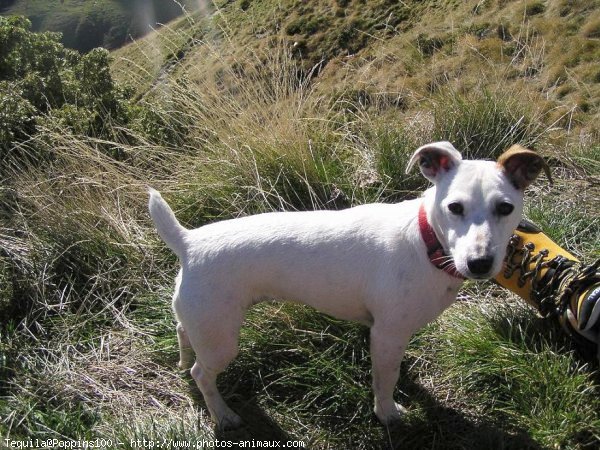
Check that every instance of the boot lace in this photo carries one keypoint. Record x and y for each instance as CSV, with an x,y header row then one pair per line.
x,y
564,277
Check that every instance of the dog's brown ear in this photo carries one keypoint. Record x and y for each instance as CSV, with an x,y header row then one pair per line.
x,y
522,166
434,159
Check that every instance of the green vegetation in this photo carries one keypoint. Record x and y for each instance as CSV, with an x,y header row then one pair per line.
x,y
102,23
227,118
42,84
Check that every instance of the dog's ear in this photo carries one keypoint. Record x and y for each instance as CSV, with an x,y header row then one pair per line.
x,y
434,159
522,166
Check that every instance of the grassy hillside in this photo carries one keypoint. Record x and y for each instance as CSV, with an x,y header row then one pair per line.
x,y
270,106
102,23
400,54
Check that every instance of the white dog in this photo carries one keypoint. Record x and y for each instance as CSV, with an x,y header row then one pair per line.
x,y
392,267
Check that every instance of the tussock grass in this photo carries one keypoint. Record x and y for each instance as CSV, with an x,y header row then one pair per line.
x,y
484,124
87,343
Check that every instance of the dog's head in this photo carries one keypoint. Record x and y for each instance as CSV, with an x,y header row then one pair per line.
x,y
477,204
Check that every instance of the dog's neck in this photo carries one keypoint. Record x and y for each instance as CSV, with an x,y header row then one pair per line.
x,y
435,250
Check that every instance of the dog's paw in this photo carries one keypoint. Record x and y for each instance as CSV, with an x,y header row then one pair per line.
x,y
185,364
389,412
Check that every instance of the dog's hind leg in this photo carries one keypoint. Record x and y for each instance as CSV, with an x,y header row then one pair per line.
x,y
186,353
206,379
216,345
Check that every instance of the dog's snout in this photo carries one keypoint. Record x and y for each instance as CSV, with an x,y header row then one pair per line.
x,y
480,266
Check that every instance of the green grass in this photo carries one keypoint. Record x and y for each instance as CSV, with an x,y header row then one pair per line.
x,y
576,230
87,340
520,370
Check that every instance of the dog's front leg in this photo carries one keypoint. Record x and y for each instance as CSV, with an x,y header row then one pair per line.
x,y
387,350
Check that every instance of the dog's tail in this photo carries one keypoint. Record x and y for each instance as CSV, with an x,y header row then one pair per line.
x,y
167,225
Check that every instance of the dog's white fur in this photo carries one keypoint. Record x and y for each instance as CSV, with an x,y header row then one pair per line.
x,y
368,264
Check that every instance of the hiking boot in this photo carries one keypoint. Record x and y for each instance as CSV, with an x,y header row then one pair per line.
x,y
554,282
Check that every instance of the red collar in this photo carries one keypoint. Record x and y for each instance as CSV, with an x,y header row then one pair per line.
x,y
435,251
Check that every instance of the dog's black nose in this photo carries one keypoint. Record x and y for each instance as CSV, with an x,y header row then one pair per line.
x,y
480,266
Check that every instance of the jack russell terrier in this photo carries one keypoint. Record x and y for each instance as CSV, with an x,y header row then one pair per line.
x,y
392,267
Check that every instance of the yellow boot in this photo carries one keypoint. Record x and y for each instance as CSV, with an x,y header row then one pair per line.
x,y
554,281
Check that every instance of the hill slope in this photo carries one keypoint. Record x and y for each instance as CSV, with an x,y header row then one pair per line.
x,y
404,52
102,23
270,105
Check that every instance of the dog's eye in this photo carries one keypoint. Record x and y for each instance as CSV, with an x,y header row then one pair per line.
x,y
456,208
504,209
